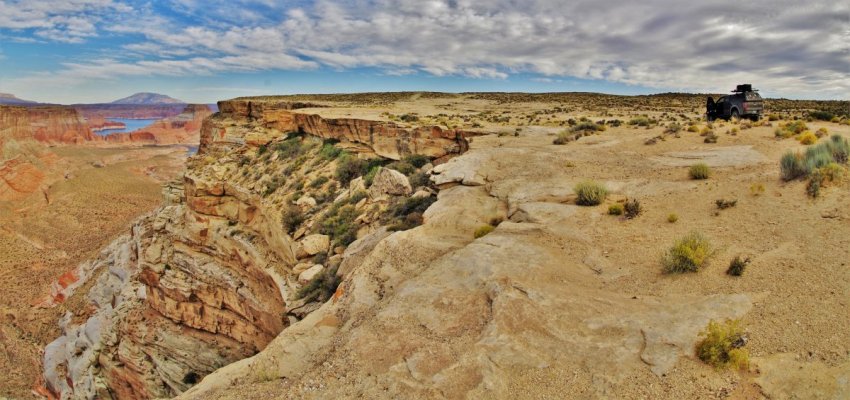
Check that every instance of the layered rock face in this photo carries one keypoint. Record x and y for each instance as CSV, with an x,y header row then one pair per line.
x,y
175,299
267,120
182,128
24,161
221,270
48,124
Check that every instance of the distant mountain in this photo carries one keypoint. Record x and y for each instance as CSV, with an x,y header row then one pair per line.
x,y
6,98
148,98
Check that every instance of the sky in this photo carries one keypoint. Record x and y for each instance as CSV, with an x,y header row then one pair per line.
x,y
88,51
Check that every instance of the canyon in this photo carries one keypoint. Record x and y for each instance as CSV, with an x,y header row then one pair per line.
x,y
328,246
65,193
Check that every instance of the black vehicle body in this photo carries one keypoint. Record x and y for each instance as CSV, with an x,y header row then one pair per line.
x,y
744,102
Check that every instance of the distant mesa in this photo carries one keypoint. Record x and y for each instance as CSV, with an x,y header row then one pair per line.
x,y
148,98
10,99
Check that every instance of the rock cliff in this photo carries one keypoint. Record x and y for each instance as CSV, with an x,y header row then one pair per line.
x,y
258,122
182,128
24,162
48,124
250,242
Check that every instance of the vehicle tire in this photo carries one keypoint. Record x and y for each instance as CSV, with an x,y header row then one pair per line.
x,y
734,114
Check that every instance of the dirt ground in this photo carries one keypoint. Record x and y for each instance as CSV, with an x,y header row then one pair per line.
x,y
49,233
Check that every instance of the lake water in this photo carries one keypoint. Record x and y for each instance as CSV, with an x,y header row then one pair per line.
x,y
131,125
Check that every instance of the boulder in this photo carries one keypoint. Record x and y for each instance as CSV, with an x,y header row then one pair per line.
x,y
389,182
301,267
306,202
422,193
314,244
310,273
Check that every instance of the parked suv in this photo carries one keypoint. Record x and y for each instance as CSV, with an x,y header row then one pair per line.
x,y
744,102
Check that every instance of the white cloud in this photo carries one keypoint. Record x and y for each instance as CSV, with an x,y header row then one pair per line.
x,y
70,21
783,48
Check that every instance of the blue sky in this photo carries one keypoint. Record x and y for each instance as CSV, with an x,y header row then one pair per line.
x,y
69,51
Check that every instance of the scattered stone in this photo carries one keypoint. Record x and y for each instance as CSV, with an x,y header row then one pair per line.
x,y
389,182
306,202
422,193
314,244
310,273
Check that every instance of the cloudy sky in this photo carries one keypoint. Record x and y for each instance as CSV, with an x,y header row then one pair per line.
x,y
202,50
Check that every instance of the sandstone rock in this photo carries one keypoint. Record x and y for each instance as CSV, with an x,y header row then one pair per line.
x,y
301,267
310,273
389,182
357,185
233,126
422,193
306,202
314,244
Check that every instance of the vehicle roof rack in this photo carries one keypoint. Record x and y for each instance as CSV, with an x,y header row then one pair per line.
x,y
744,88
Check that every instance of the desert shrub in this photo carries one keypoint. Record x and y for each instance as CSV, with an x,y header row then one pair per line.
x,y
587,126
291,218
290,148
792,166
419,179
411,205
417,160
262,149
710,138
357,196
672,218
407,213
772,117
688,254
839,147
565,137
790,129
339,224
699,171
807,138
757,189
319,181
409,117
821,115
370,176
321,287
707,130
817,157
349,167
590,193
404,167
673,128
483,230
329,151
641,121
833,172
723,344
821,132
814,184
746,124
632,208
737,266
616,209
693,128
724,204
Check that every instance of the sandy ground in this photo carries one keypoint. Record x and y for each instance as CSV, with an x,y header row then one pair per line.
x,y
50,233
